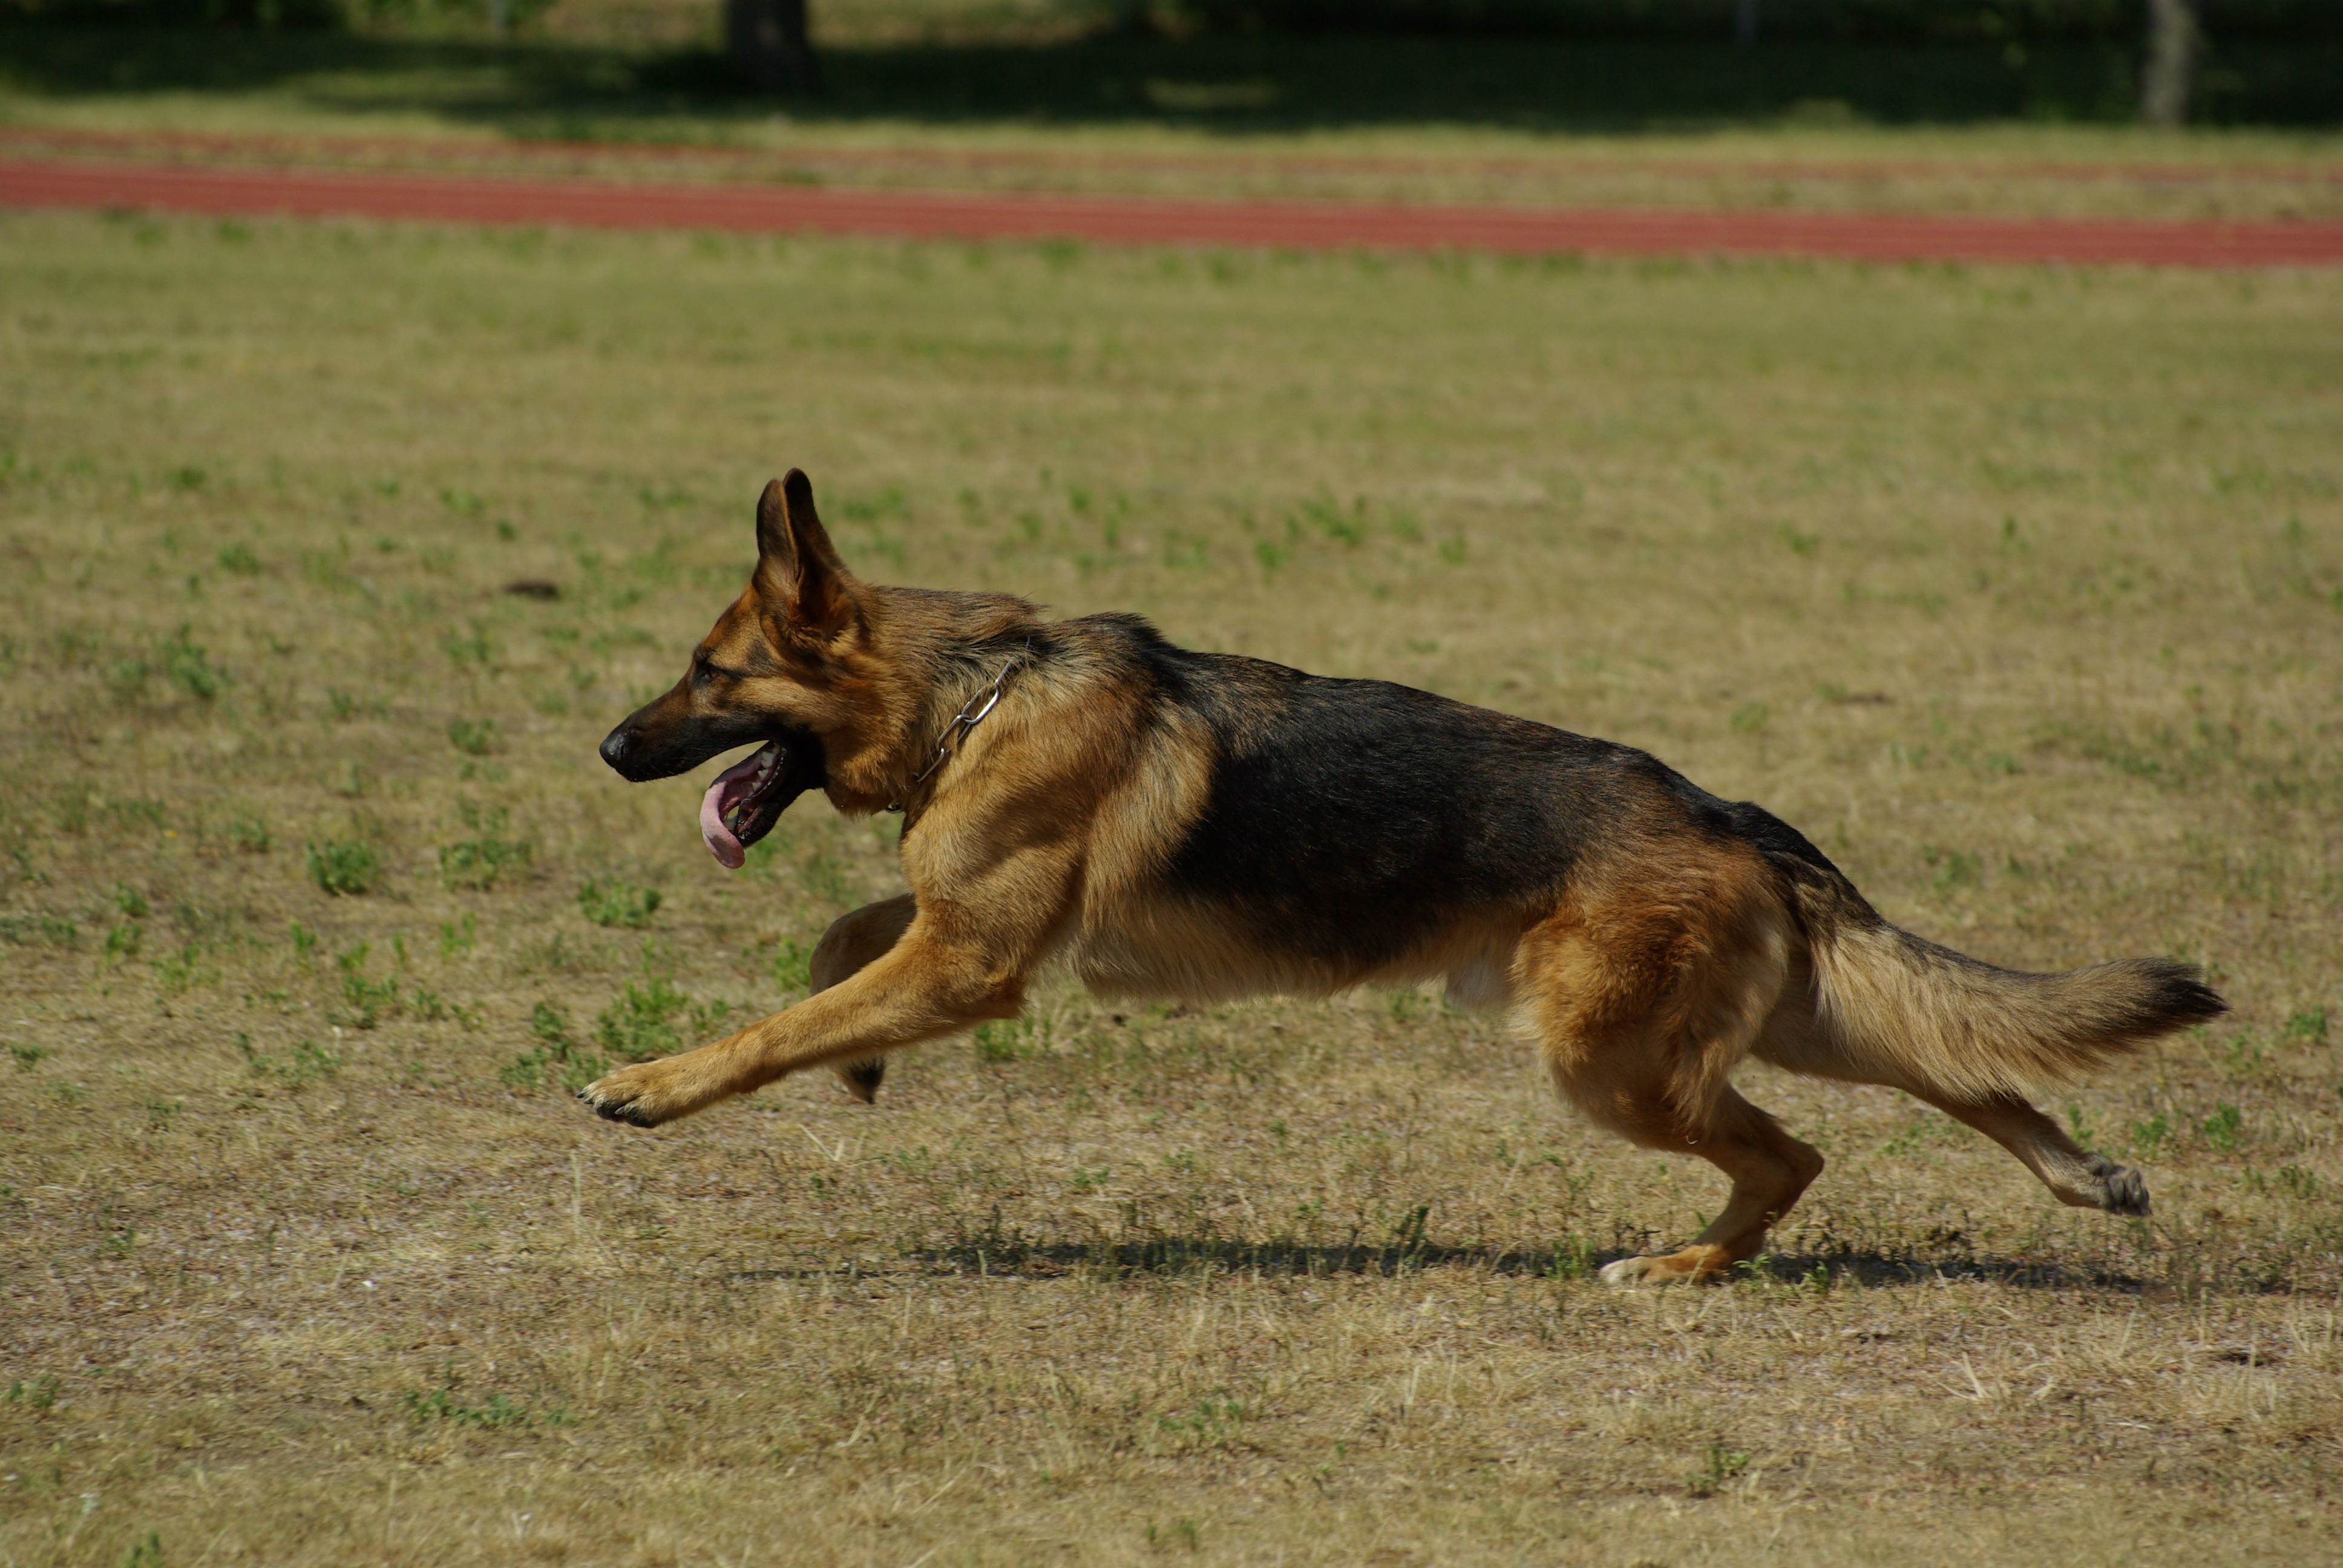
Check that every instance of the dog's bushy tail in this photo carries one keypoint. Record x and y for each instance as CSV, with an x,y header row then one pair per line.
x,y
1913,1012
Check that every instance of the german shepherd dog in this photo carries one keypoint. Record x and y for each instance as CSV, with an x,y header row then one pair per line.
x,y
1202,827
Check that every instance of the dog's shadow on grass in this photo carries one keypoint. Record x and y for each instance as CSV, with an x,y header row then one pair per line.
x,y
1177,1256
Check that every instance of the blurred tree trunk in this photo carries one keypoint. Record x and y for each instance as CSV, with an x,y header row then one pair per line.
x,y
1745,23
2173,37
768,44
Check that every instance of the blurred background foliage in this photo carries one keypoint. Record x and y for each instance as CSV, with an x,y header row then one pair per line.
x,y
1875,20
1232,66
1243,65
1902,21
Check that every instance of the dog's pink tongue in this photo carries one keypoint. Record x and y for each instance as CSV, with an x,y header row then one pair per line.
x,y
721,841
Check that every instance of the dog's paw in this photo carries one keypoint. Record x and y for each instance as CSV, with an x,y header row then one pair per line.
x,y
643,1095
2123,1191
863,1078
1691,1265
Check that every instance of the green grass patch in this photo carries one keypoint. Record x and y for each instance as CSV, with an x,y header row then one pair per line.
x,y
617,904
346,868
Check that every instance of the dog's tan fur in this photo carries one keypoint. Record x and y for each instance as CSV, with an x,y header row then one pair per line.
x,y
1670,954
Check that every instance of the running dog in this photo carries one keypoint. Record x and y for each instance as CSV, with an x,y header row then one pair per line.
x,y
1203,827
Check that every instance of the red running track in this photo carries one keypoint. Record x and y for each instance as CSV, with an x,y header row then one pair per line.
x,y
1137,220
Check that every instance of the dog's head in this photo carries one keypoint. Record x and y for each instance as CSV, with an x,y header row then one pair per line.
x,y
775,670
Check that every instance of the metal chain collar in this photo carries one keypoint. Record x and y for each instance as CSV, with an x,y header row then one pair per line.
x,y
971,715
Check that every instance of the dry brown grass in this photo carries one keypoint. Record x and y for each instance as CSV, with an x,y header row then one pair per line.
x,y
2019,590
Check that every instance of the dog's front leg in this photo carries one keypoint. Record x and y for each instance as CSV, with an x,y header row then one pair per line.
x,y
927,985
851,944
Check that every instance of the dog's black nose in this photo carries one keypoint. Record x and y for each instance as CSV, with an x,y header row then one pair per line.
x,y
614,747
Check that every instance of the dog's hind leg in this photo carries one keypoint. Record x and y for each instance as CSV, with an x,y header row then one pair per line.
x,y
852,941
2075,1176
1769,1170
1644,1007
1795,1039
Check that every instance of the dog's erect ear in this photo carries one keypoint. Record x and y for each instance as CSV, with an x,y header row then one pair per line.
x,y
798,570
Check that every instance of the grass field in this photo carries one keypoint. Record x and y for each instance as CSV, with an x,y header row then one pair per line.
x,y
2021,592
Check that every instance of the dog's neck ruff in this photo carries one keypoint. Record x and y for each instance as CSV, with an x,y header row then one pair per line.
x,y
971,715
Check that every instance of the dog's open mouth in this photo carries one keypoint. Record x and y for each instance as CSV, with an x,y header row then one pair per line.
x,y
749,797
